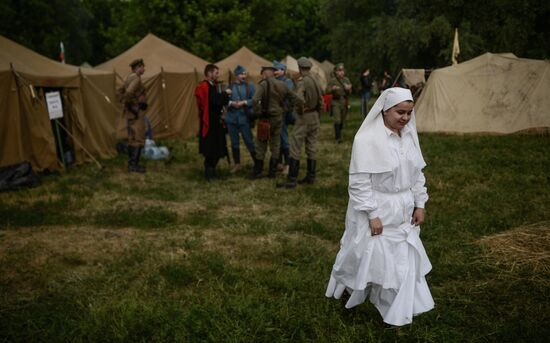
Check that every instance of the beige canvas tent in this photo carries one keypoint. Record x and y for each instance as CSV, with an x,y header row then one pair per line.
x,y
291,66
328,67
171,75
245,57
319,73
26,133
414,79
497,93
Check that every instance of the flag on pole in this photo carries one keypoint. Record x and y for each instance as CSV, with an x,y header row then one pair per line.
x,y
62,53
456,48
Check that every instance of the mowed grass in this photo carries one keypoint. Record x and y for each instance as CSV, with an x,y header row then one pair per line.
x,y
167,257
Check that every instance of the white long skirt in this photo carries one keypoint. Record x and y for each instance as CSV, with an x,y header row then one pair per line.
x,y
390,268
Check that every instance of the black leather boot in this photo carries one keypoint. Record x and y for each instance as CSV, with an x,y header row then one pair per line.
x,y
272,167
134,154
258,168
310,176
285,154
337,133
293,170
209,173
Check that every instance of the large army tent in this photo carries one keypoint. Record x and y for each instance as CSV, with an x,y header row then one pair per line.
x,y
26,132
319,73
328,67
171,75
497,93
291,66
245,57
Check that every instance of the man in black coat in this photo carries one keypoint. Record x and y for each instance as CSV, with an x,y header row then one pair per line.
x,y
210,101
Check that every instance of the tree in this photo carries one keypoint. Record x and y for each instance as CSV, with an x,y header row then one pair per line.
x,y
393,34
42,25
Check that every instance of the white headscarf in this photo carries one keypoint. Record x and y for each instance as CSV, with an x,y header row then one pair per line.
x,y
371,152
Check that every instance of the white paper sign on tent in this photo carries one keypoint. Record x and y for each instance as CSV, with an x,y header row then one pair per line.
x,y
55,106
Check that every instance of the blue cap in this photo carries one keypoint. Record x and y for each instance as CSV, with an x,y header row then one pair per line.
x,y
239,69
279,65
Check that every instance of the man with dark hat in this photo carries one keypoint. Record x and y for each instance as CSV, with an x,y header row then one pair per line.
x,y
306,128
268,105
239,115
288,117
210,101
340,88
133,98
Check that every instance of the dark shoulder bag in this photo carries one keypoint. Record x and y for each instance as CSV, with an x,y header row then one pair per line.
x,y
264,126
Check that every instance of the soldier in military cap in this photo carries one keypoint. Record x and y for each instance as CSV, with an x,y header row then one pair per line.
x,y
288,118
135,104
239,113
268,103
306,127
340,88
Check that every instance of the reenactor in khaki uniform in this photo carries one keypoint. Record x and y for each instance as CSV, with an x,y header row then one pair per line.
x,y
340,88
306,127
269,106
133,98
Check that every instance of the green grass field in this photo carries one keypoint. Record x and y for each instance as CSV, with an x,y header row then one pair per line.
x,y
107,256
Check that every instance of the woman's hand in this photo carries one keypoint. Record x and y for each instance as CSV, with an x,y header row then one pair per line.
x,y
375,226
418,216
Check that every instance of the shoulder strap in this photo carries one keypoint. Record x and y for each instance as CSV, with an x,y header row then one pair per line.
x,y
266,98
319,96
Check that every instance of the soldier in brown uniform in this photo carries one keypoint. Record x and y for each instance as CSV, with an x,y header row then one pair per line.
x,y
306,127
268,103
135,104
340,88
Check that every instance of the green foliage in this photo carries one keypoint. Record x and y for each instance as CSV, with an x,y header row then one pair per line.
x,y
382,34
389,35
41,25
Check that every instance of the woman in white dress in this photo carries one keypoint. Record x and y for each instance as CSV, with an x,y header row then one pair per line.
x,y
381,256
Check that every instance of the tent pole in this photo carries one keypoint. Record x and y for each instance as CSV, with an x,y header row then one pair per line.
x,y
80,144
60,145
396,80
164,103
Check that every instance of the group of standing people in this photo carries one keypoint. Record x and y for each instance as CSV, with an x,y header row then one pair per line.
x,y
271,106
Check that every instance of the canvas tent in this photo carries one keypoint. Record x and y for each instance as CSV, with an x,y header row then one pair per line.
x,y
319,73
171,75
496,93
26,133
248,59
291,66
414,79
328,67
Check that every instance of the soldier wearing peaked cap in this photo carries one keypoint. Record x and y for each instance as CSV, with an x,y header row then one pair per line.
x,y
239,115
288,117
340,88
306,128
268,103
133,98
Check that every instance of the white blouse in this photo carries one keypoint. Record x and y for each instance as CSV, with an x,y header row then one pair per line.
x,y
405,176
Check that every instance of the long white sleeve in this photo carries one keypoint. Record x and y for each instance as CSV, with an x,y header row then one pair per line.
x,y
361,195
419,191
